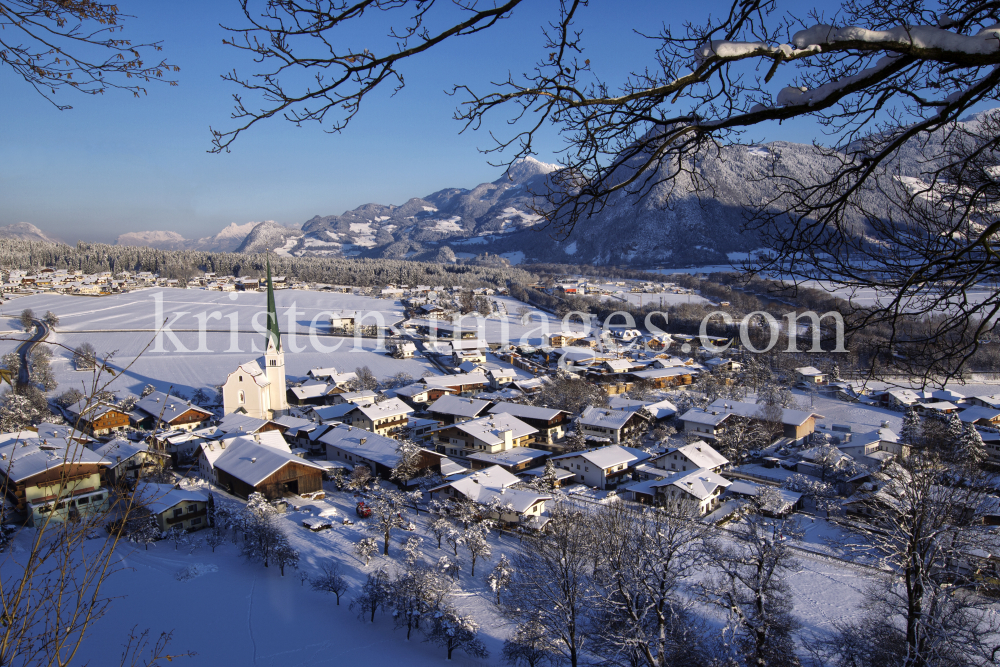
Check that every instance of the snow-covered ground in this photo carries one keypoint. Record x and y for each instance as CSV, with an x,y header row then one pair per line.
x,y
231,612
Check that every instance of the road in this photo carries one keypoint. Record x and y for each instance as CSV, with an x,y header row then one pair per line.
x,y
25,348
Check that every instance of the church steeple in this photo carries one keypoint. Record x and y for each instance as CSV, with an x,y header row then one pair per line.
x,y
273,333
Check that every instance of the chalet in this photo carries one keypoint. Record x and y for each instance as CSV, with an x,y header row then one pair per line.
x,y
354,446
384,418
898,399
125,461
603,468
356,397
980,416
515,459
419,393
491,487
500,377
810,376
724,365
331,376
402,349
186,509
451,409
49,479
674,376
491,434
166,411
246,467
549,422
564,338
986,401
697,490
613,426
342,323
465,384
936,408
96,419
660,410
468,350
693,456
314,392
797,424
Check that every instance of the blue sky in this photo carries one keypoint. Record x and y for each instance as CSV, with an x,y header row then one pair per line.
x,y
115,164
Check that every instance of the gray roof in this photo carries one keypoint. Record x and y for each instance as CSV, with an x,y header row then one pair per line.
x,y
527,411
236,422
364,444
512,457
490,429
158,498
788,416
171,407
119,450
605,457
26,457
613,419
458,406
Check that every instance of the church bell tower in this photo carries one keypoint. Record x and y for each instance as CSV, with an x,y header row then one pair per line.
x,y
274,356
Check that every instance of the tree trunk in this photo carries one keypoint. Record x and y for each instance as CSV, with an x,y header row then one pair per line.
x,y
385,551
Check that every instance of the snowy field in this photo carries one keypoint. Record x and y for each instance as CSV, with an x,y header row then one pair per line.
x,y
231,612
124,326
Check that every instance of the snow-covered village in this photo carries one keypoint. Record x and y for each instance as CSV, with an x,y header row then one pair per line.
x,y
499,333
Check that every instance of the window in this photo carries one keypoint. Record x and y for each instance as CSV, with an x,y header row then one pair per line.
x,y
195,521
241,378
83,501
241,397
192,508
178,511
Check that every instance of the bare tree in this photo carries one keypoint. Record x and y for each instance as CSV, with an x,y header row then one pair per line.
x,y
386,516
27,319
374,595
454,631
528,646
927,535
750,585
330,580
551,584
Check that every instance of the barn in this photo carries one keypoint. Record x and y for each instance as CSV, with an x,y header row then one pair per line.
x,y
246,467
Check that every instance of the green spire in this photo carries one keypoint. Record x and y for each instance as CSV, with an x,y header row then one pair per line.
x,y
273,334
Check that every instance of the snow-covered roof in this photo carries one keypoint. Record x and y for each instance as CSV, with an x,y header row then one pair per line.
x,y
672,371
607,457
809,371
602,417
458,406
159,498
88,410
364,444
514,456
701,454
310,390
993,400
700,483
327,413
332,375
26,457
975,413
391,407
449,467
365,395
171,407
293,423
274,439
659,409
455,380
253,369
488,484
788,416
490,429
119,450
236,422
527,411
252,463
788,498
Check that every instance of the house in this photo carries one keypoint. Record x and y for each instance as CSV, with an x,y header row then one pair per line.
x,y
419,393
125,461
402,349
314,392
564,338
549,422
385,418
51,479
936,407
515,459
466,384
617,365
992,401
246,467
491,434
723,365
342,322
331,376
186,509
980,416
357,397
468,350
693,456
660,410
603,468
810,376
662,378
97,418
500,377
450,409
697,490
784,501
710,422
165,411
491,487
898,399
613,426
354,446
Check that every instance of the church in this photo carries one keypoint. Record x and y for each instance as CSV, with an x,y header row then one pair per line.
x,y
260,392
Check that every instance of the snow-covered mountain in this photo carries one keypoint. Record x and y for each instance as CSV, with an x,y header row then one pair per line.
x,y
230,239
25,231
